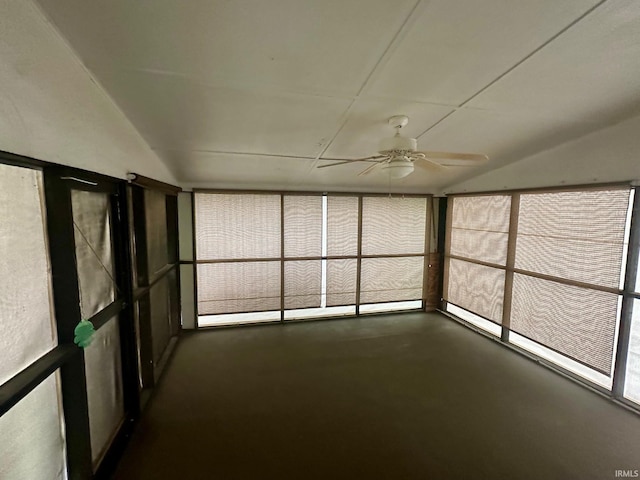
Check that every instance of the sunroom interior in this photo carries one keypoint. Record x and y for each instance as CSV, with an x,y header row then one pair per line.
x,y
204,272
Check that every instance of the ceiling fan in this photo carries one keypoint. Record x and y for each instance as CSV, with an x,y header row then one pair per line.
x,y
399,154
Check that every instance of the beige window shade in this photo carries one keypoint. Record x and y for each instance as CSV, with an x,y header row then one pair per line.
x,y
577,322
155,205
302,226
32,436
238,287
391,279
480,227
393,225
237,226
342,225
477,288
94,256
160,320
341,282
27,329
573,235
104,387
302,284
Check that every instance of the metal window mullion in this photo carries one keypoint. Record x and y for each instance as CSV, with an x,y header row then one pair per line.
x,y
282,258
447,251
511,260
626,314
426,264
66,299
194,257
359,258
22,383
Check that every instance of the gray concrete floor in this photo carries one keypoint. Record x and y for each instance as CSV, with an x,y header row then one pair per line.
x,y
405,396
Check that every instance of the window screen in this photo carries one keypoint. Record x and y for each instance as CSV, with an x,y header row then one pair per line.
x,y
342,226
238,287
237,226
160,319
393,225
302,226
155,206
632,377
391,279
573,235
478,230
26,319
31,437
240,268
240,228
576,236
104,387
94,256
565,276
302,284
476,288
341,282
577,322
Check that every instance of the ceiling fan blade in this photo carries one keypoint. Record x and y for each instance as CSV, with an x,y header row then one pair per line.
x,y
334,164
428,164
368,170
474,157
342,161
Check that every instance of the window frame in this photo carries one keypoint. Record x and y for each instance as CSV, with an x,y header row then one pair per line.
x,y
426,281
66,357
627,293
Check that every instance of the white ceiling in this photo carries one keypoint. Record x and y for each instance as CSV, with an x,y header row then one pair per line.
x,y
255,94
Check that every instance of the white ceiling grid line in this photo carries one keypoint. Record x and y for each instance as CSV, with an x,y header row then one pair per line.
x,y
385,54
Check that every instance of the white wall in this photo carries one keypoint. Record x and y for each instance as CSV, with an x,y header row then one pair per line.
x,y
608,155
52,109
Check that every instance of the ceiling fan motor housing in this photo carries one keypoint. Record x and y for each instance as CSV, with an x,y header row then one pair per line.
x,y
397,143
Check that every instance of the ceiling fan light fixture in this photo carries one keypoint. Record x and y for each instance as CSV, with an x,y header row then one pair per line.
x,y
399,168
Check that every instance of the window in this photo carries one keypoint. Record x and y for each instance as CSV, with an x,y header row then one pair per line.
x,y
632,377
307,255
393,250
569,251
545,266
103,369
27,329
65,408
94,258
31,431
477,256
31,436
631,387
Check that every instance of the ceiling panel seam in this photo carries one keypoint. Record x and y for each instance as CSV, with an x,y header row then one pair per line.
x,y
224,152
342,124
519,62
395,39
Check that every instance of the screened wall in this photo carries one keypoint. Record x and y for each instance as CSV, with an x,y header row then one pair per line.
x,y
545,271
67,407
153,229
298,255
34,425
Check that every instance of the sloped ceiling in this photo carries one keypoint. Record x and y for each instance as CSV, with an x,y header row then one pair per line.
x,y
51,109
257,94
